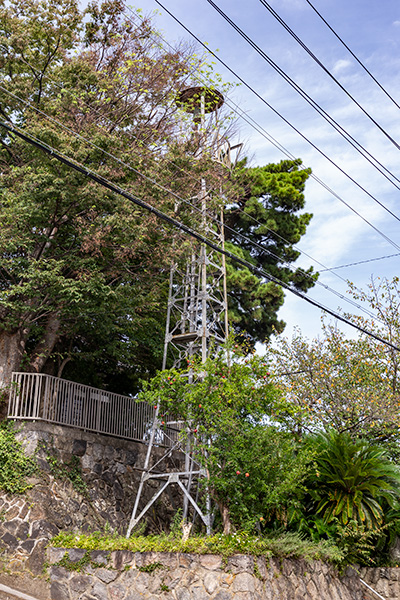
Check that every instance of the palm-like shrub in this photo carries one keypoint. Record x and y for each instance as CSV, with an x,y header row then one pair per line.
x,y
353,481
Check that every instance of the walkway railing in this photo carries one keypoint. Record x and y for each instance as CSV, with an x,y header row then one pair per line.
x,y
40,397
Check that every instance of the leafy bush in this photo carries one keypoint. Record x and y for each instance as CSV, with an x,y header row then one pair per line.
x,y
15,465
353,480
353,497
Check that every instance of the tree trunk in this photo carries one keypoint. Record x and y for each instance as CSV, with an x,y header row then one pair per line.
x,y
46,345
12,348
226,522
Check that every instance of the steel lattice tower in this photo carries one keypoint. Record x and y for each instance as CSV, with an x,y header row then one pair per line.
x,y
196,319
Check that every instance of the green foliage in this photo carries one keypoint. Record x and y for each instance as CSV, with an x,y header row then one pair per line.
x,y
352,497
339,383
70,470
266,212
254,470
83,272
77,565
283,545
354,480
15,465
151,567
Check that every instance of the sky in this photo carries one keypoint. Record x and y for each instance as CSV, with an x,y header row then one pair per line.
x,y
336,236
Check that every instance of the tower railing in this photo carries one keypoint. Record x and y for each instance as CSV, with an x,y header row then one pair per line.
x,y
41,397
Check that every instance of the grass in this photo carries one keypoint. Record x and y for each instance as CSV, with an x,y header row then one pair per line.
x,y
282,546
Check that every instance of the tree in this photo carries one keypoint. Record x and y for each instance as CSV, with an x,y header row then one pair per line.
x,y
83,274
254,470
80,268
334,382
262,225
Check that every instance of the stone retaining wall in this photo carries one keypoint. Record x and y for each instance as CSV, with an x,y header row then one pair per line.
x,y
108,468
123,575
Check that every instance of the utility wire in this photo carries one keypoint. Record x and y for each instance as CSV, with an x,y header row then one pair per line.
x,y
182,227
349,138
360,262
251,242
248,119
324,68
168,191
353,55
262,131
249,87
341,130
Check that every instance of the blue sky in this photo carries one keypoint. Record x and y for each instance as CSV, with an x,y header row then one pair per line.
x,y
371,29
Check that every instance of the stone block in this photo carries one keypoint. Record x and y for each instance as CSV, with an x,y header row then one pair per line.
x,y
120,558
37,559
188,560
100,556
79,447
59,591
28,545
80,583
131,458
241,563
9,541
22,531
99,591
106,575
116,591
43,529
243,582
199,593
211,561
76,554
169,560
211,582
183,594
224,595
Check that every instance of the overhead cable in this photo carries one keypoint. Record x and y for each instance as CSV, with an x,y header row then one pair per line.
x,y
326,70
182,227
353,55
252,243
349,138
262,131
360,262
249,87
167,190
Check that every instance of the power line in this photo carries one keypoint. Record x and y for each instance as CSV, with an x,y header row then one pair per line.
x,y
168,191
360,262
353,55
249,87
349,138
315,58
253,243
248,119
182,227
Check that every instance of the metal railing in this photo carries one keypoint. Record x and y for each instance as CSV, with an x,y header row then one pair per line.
x,y
40,397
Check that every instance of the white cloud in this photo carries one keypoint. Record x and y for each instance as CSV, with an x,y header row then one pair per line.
x,y
341,65
396,23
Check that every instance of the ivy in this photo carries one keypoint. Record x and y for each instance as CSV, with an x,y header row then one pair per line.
x,y
15,465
